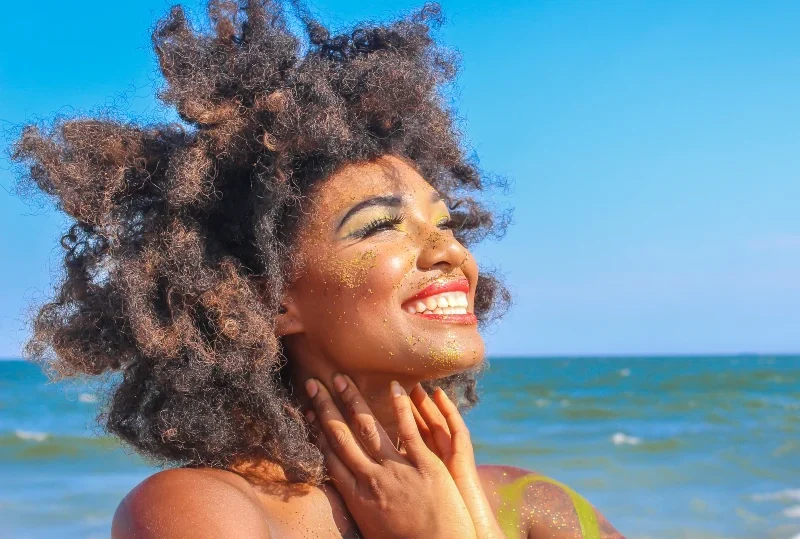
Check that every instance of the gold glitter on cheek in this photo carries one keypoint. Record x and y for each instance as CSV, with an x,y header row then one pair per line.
x,y
353,272
413,340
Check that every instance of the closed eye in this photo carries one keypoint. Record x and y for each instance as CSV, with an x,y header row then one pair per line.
x,y
446,223
378,225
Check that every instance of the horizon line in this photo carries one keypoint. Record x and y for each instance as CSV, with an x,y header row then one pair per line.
x,y
597,356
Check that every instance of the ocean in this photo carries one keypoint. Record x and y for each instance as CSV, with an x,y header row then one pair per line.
x,y
666,448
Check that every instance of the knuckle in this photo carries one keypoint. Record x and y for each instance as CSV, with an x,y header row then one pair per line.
x,y
407,436
377,493
367,430
374,486
340,438
426,468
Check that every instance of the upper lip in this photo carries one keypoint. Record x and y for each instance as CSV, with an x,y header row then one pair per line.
x,y
439,287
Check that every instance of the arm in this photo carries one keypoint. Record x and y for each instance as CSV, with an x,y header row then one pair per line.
x,y
187,503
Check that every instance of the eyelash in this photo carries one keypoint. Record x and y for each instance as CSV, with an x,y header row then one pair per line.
x,y
386,223
446,224
376,225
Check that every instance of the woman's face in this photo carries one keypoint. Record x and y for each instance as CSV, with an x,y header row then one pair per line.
x,y
380,284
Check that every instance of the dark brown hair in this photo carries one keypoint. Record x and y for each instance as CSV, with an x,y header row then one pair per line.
x,y
176,258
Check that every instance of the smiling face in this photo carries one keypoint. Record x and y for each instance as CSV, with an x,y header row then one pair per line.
x,y
380,284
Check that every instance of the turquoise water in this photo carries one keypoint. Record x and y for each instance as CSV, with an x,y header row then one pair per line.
x,y
667,448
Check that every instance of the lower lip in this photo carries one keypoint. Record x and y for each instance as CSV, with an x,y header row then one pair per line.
x,y
465,319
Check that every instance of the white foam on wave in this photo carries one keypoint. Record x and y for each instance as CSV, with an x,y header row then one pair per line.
x,y
31,435
87,397
792,512
620,438
787,495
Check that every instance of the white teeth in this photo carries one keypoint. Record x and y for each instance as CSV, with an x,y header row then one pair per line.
x,y
445,303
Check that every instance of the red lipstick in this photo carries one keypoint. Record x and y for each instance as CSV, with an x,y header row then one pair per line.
x,y
439,287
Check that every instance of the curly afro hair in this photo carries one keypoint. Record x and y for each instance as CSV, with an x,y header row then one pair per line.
x,y
177,255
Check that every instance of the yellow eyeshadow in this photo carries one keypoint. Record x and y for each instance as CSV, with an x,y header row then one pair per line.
x,y
442,218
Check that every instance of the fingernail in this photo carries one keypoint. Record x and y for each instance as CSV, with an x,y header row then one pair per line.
x,y
311,387
310,416
397,389
339,383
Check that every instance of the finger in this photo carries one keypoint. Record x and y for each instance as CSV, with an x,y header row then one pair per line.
x,y
416,451
333,464
424,431
462,466
363,422
459,433
434,419
337,432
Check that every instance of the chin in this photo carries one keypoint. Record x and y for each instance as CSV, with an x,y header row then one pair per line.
x,y
455,356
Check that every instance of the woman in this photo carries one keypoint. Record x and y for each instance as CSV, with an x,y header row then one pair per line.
x,y
297,248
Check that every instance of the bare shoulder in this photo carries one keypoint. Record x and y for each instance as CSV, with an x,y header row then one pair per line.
x,y
191,503
531,505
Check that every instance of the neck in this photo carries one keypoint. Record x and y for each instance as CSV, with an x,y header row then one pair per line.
x,y
374,387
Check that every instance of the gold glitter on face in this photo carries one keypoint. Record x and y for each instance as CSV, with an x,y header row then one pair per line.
x,y
353,272
447,356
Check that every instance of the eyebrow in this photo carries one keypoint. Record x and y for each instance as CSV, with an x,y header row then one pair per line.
x,y
391,201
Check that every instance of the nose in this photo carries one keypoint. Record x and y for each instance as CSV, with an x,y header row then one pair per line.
x,y
440,250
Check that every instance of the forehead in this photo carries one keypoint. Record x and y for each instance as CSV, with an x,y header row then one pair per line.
x,y
353,183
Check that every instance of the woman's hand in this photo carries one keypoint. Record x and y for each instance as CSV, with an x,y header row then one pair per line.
x,y
445,433
389,493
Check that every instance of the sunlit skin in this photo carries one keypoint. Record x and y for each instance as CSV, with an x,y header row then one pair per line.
x,y
374,236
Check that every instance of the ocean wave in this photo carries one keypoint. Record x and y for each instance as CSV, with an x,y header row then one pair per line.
x,y
87,398
620,438
786,495
30,445
31,435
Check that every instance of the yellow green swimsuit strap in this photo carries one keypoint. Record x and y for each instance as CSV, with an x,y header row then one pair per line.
x,y
511,494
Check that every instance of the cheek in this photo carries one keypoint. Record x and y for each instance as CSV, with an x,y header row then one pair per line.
x,y
376,288
364,281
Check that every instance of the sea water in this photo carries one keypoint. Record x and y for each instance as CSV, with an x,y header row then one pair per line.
x,y
666,448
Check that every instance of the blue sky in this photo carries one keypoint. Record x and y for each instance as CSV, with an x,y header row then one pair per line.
x,y
654,149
